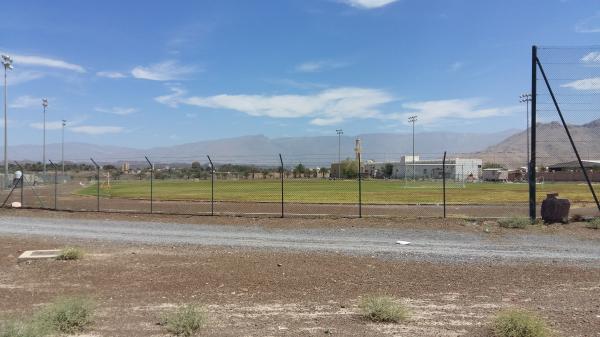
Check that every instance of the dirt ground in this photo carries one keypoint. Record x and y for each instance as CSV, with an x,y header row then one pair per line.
x,y
254,292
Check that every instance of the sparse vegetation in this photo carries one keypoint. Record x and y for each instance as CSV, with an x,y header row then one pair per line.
x,y
22,329
577,218
518,323
594,223
383,309
67,315
185,321
514,222
70,253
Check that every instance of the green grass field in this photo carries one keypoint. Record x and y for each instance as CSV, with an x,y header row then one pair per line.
x,y
327,191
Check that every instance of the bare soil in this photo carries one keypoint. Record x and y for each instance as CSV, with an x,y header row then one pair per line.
x,y
254,292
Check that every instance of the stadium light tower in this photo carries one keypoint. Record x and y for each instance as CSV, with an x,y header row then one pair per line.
x,y
526,98
7,63
413,119
45,105
62,147
340,132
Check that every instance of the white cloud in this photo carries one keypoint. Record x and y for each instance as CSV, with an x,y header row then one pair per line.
x,y
164,71
317,66
110,74
18,77
26,101
173,99
96,130
326,107
435,110
589,25
53,125
368,4
592,57
592,83
31,60
116,110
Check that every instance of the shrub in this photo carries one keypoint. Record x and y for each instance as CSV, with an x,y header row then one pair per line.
x,y
383,309
67,315
70,253
518,323
186,320
594,223
514,222
577,218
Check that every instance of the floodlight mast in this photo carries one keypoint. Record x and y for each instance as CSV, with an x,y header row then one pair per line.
x,y
526,98
45,105
413,119
7,63
339,132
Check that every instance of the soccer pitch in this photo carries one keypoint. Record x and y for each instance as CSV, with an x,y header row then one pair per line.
x,y
336,191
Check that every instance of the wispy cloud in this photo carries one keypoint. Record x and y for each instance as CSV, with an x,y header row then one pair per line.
x,y
18,77
116,110
50,125
164,71
431,111
368,4
32,60
318,66
591,58
326,107
110,74
585,84
96,130
589,25
26,101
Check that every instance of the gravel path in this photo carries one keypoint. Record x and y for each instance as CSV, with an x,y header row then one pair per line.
x,y
427,245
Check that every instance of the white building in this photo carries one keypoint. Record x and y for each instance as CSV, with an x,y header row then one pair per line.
x,y
459,169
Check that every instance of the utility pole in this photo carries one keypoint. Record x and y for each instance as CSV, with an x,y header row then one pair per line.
x,y
413,119
62,147
45,105
340,132
526,98
7,63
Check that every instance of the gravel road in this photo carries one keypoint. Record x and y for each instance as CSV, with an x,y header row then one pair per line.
x,y
427,245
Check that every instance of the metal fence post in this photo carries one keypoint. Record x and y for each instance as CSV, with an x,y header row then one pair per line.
x,y
22,184
97,184
359,187
444,183
532,161
55,183
212,186
281,176
151,181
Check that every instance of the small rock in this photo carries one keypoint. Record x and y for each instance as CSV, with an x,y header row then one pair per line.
x,y
279,265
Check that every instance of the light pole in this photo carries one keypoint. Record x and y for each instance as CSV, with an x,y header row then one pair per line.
x,y
526,98
413,119
45,105
62,147
7,63
340,132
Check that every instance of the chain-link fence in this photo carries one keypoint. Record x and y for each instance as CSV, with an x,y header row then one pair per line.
x,y
567,132
370,185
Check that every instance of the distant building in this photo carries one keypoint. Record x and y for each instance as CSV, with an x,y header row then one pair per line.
x,y
495,174
125,167
459,169
573,166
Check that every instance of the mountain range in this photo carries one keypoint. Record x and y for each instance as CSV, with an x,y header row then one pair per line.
x,y
506,147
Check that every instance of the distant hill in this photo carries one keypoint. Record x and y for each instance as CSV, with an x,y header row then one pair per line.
x,y
552,144
261,150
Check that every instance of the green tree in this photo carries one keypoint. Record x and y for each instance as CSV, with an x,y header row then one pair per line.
x,y
349,168
388,170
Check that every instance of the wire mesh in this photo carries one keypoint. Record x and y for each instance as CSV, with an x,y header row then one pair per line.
x,y
572,76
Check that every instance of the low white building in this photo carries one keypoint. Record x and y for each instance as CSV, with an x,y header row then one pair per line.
x,y
459,169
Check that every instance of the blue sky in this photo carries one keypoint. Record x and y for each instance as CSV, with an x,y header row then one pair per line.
x,y
152,73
